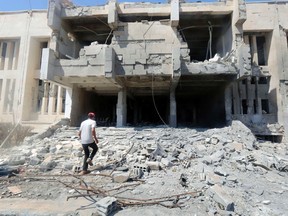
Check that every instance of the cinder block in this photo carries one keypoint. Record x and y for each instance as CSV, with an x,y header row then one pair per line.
x,y
144,167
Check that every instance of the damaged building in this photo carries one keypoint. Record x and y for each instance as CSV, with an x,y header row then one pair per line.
x,y
183,64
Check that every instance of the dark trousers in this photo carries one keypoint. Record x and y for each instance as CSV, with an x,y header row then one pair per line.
x,y
87,153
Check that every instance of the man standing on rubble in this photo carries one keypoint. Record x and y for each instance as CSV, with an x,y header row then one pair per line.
x,y
87,135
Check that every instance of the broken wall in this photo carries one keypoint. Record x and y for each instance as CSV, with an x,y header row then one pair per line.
x,y
145,48
268,20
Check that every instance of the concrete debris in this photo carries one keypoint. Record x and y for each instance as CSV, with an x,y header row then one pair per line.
x,y
15,190
221,197
106,206
222,165
120,177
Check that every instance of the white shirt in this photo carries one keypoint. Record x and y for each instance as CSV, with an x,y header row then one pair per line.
x,y
86,131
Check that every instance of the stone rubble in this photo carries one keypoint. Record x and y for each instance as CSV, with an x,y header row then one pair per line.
x,y
233,172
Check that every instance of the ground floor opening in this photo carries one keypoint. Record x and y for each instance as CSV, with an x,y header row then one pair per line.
x,y
200,102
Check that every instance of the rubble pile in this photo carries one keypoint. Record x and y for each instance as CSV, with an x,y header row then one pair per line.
x,y
220,171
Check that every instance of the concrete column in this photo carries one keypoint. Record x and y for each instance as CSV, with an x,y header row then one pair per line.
x,y
45,98
59,100
258,100
54,42
240,97
68,102
228,104
121,109
52,99
254,50
236,98
174,16
15,57
173,109
249,98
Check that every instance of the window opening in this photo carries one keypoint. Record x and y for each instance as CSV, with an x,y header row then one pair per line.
x,y
9,54
43,45
244,106
3,54
253,80
265,106
260,41
263,80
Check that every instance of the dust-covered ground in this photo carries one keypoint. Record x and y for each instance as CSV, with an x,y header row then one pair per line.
x,y
147,171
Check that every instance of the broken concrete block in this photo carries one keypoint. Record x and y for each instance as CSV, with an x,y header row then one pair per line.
x,y
213,179
217,156
153,165
67,166
106,206
207,140
214,140
144,152
15,160
207,160
201,148
120,177
34,160
221,197
182,156
123,169
232,179
266,202
166,162
238,146
158,151
48,164
220,171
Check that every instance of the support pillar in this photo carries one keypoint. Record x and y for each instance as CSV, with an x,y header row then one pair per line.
x,y
59,100
228,104
52,99
173,109
236,98
45,98
250,107
258,100
68,103
121,109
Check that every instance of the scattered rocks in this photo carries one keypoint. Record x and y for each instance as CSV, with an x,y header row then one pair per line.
x,y
221,164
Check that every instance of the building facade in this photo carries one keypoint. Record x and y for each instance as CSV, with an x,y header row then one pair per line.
x,y
177,63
